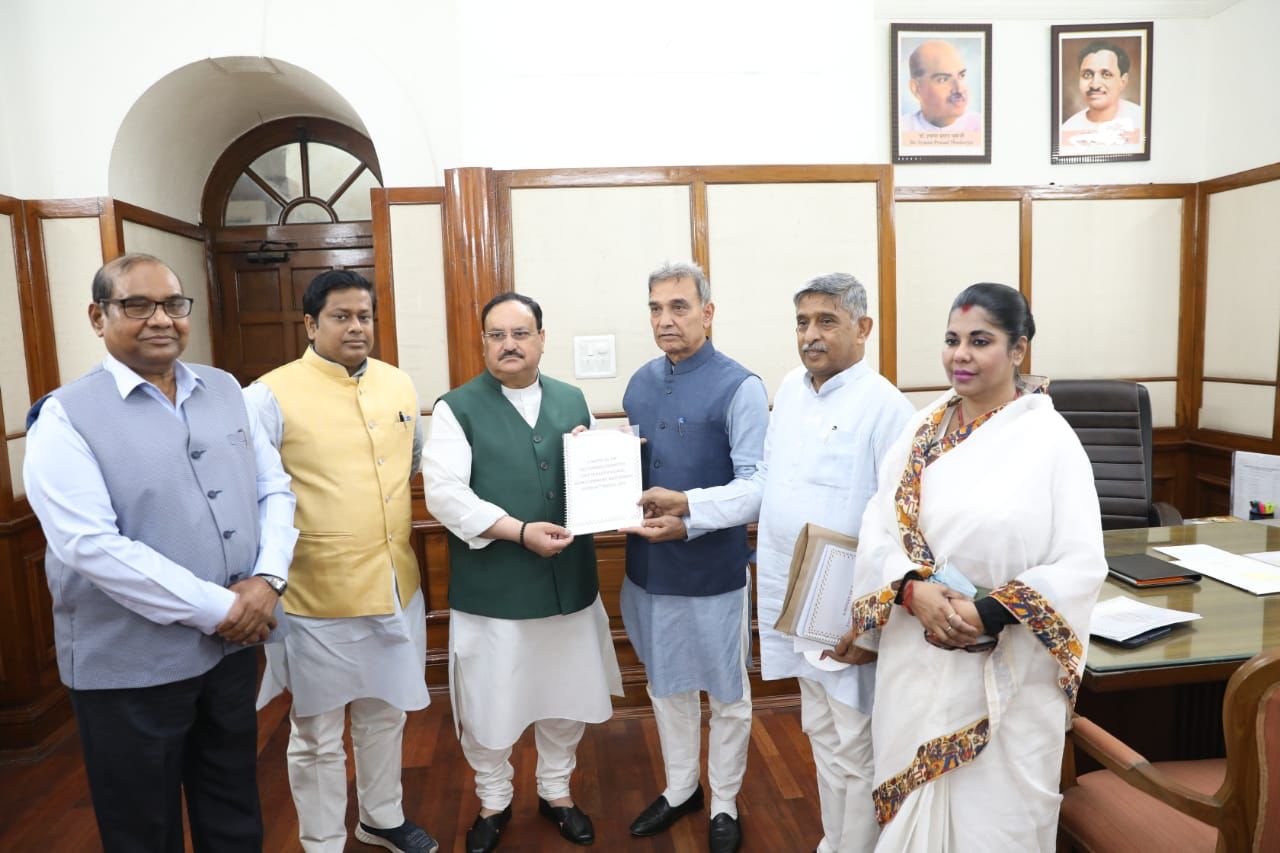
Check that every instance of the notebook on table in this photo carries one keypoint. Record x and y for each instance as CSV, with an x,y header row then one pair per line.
x,y
1143,571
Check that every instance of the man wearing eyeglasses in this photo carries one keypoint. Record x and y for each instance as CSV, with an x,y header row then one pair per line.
x,y
529,640
348,430
169,524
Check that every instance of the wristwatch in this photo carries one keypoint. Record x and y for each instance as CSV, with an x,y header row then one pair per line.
x,y
278,585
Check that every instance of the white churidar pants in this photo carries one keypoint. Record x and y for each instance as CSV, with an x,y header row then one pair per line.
x,y
679,720
318,771
557,743
841,740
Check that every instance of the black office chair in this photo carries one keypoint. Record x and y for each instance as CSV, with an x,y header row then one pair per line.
x,y
1113,421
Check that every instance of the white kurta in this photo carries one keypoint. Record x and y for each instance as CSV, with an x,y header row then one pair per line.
x,y
507,673
821,458
328,663
1014,501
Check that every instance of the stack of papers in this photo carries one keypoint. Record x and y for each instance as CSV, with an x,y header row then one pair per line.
x,y
1253,575
1121,617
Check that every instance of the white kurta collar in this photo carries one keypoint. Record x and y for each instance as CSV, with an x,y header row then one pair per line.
x,y
845,377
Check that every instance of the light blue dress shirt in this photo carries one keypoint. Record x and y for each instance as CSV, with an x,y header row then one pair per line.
x,y
66,489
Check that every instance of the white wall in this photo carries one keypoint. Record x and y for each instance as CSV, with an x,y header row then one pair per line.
x,y
76,67
510,84
1242,113
669,82
1021,106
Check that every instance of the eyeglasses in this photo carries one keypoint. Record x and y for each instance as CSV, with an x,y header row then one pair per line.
x,y
497,336
141,308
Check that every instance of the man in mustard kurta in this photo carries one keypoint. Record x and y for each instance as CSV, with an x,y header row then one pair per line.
x,y
348,432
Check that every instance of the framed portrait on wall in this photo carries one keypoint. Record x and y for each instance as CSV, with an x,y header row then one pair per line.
x,y
1101,93
941,93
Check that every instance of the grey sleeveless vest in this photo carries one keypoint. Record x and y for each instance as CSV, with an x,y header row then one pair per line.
x,y
188,492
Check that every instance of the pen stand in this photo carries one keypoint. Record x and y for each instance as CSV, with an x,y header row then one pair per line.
x,y
1255,516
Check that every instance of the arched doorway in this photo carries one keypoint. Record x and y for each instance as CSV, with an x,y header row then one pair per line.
x,y
285,202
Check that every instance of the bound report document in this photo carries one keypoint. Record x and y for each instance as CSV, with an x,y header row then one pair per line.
x,y
818,603
602,482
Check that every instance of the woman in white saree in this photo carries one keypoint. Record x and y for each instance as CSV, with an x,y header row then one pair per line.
x,y
974,689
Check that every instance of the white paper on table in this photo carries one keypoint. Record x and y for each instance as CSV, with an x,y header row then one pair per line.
x,y
1253,576
1122,617
602,481
827,614
1269,557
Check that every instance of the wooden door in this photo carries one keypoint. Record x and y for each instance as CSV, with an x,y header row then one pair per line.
x,y
262,324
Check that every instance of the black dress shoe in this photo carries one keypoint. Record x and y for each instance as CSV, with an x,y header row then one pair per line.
x,y
483,835
725,835
661,814
574,824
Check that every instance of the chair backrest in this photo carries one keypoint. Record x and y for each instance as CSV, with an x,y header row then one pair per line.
x,y
1251,724
1112,418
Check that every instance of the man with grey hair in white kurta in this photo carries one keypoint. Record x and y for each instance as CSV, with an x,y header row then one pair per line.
x,y
833,420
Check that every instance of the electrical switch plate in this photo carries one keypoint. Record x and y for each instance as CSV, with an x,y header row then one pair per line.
x,y
594,357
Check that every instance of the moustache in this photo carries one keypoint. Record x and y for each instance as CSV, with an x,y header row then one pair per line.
x,y
512,352
814,347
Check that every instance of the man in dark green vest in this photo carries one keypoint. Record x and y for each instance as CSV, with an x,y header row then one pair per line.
x,y
529,639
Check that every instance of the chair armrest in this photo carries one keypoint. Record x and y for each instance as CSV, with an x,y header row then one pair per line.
x,y
1163,514
1135,771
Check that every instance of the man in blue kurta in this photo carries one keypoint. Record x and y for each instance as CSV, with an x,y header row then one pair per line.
x,y
685,600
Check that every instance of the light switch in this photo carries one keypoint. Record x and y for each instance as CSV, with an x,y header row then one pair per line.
x,y
594,357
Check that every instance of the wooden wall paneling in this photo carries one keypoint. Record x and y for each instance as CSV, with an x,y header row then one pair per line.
x,y
474,272
1191,313
1200,285
12,208
610,547
1025,225
42,352
888,251
700,251
383,277
17,213
34,708
125,212
111,227
217,318
6,480
384,270
1238,180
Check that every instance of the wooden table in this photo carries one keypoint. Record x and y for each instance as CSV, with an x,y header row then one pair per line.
x,y
1165,698
1236,624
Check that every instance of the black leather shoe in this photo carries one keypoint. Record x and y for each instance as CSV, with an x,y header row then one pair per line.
x,y
574,824
661,814
483,835
725,835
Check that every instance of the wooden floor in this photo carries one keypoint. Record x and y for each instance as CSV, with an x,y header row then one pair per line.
x,y
45,806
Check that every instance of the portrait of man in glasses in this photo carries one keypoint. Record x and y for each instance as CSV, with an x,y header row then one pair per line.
x,y
169,524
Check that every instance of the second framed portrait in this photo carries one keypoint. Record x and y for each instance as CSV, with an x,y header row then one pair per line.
x,y
941,98
1101,93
